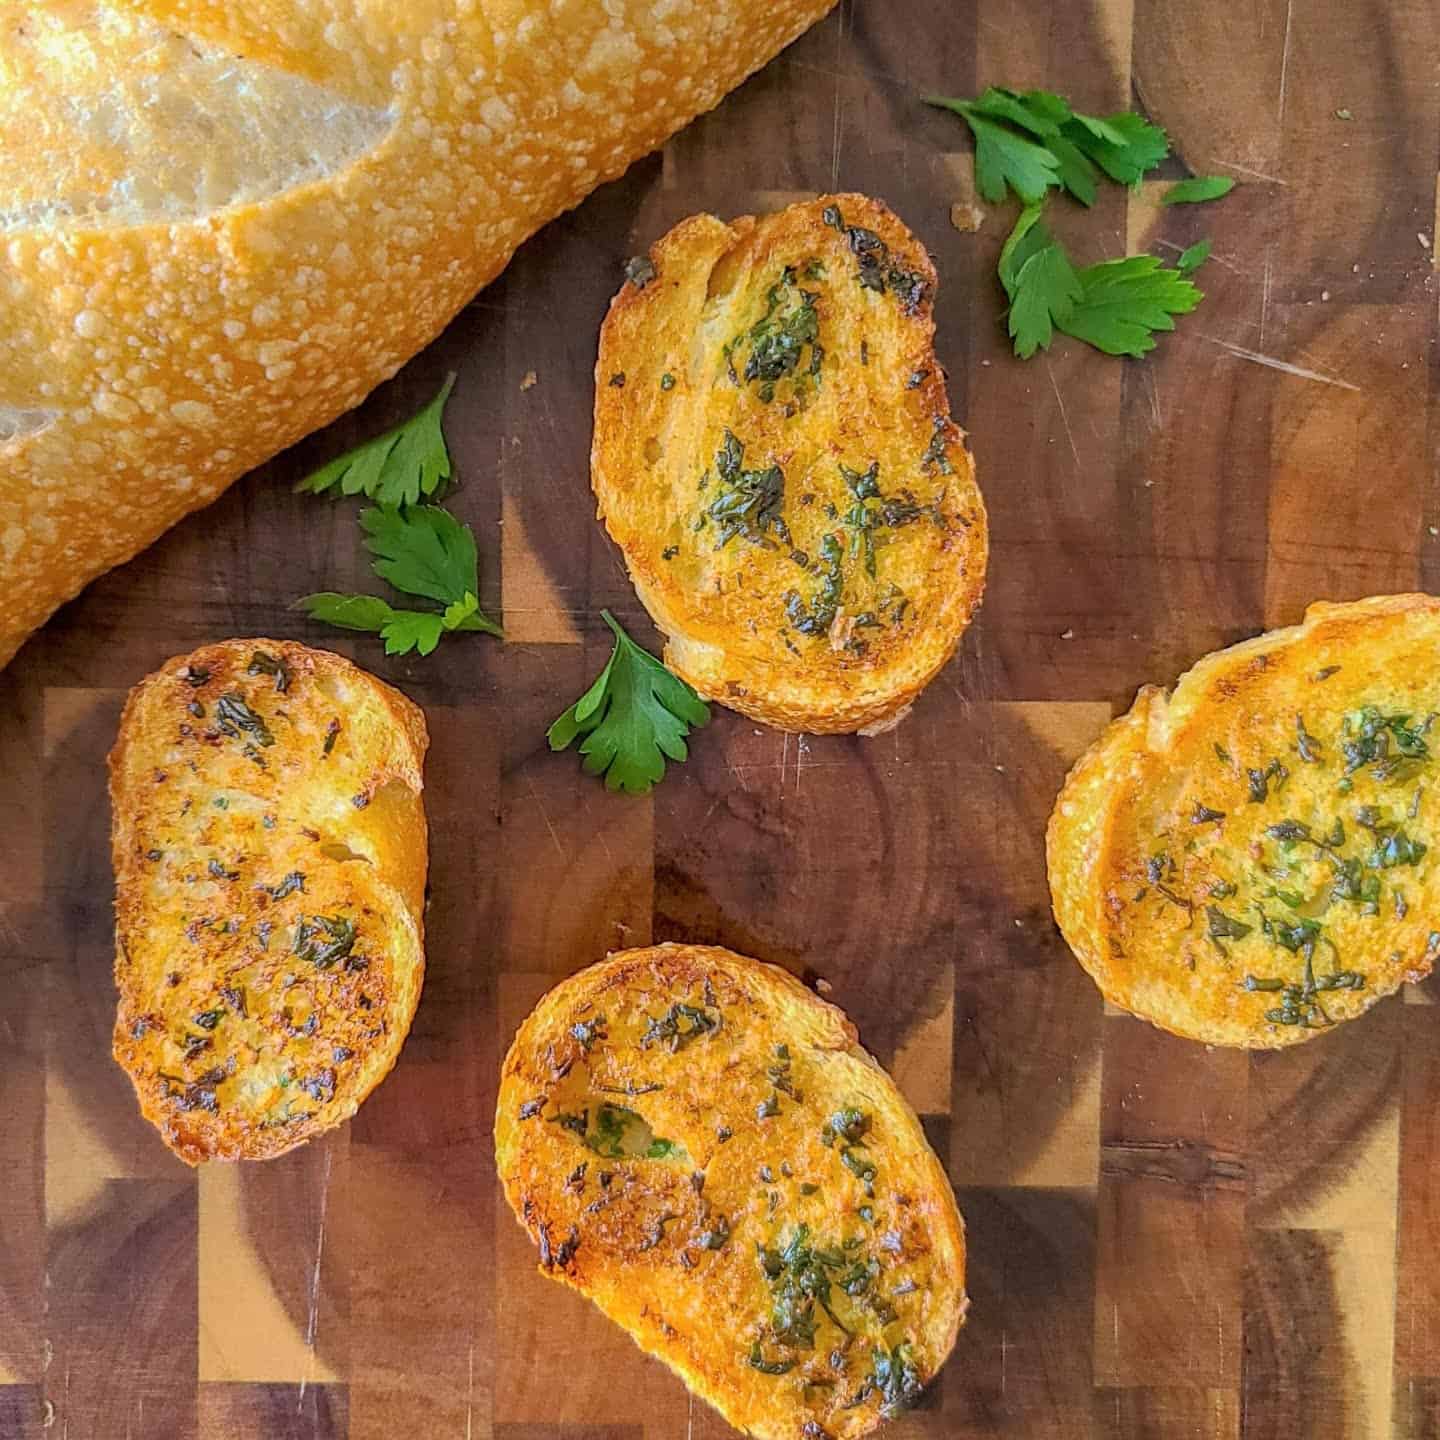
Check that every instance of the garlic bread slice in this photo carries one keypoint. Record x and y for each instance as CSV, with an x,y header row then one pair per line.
x,y
270,852
774,455
1253,858
699,1144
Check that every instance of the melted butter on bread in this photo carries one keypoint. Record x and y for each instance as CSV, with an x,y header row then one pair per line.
x,y
1252,859
270,855
698,1143
775,457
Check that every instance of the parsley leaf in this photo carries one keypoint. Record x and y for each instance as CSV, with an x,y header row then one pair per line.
x,y
1040,281
401,630
1200,187
1124,146
634,717
1003,158
425,551
1193,258
1034,140
1114,306
395,468
1123,302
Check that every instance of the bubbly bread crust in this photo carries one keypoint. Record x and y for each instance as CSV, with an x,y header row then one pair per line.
x,y
698,1143
1253,858
775,458
270,853
223,224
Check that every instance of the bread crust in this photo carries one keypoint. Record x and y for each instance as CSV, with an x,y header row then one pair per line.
x,y
803,341
1177,872
145,365
269,847
734,1069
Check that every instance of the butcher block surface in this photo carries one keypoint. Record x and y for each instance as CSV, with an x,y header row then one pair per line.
x,y
1164,1241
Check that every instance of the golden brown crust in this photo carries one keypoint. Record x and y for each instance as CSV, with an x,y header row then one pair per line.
x,y
803,341
270,854
1277,808
661,1133
171,315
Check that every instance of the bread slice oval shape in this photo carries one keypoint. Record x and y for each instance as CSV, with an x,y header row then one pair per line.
x,y
774,455
698,1143
1255,857
270,852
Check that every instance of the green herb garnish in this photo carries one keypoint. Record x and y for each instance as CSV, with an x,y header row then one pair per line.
x,y
395,468
423,551
1198,188
750,501
323,939
678,1026
896,1377
1193,257
1115,305
1031,142
778,340
634,717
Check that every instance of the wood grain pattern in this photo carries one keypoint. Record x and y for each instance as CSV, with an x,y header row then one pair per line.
x,y
1166,1243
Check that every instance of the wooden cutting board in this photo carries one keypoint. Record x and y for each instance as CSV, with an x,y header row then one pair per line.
x,y
1166,1242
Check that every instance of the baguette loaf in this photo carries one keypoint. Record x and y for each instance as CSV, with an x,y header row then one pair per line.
x,y
1253,858
269,849
222,225
699,1144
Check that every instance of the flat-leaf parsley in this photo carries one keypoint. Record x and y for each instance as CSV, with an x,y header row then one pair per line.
x,y
1032,141
1116,306
422,550
633,718
395,468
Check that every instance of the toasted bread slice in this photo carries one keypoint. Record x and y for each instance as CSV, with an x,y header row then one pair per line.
x,y
1253,858
269,849
699,1144
775,457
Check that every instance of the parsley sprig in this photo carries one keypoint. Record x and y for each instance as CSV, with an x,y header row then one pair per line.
x,y
419,549
1033,142
395,468
422,550
1116,306
633,718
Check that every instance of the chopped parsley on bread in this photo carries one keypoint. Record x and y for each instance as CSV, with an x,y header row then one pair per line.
x,y
699,1144
1252,858
774,456
270,853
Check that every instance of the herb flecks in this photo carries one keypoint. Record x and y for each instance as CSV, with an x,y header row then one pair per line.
x,y
678,1026
800,1275
640,271
897,1379
262,662
876,268
778,341
322,940
235,718
1261,781
871,512
751,501
1388,744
